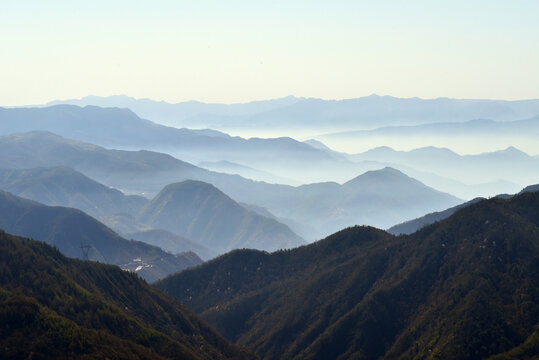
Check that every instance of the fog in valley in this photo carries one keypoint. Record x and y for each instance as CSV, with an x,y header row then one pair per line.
x,y
279,180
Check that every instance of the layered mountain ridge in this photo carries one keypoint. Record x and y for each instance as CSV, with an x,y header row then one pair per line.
x,y
205,214
462,288
319,209
70,229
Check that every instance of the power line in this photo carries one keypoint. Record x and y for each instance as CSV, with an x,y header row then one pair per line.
x,y
85,249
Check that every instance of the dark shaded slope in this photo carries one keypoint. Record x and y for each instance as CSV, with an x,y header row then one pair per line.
x,y
53,307
530,188
68,229
463,288
206,215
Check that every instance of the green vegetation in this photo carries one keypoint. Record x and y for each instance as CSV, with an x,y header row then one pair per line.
x,y
466,287
54,307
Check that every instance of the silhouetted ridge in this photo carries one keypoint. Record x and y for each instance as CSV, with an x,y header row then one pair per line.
x,y
530,188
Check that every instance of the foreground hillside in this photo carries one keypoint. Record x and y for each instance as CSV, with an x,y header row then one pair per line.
x,y
53,307
463,288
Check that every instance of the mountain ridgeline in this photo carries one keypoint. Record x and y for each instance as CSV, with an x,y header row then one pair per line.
x,y
126,130
293,112
70,229
458,283
465,287
64,186
52,307
206,215
312,211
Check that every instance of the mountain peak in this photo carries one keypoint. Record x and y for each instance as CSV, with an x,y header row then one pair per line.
x,y
380,150
384,173
511,150
189,185
203,213
317,144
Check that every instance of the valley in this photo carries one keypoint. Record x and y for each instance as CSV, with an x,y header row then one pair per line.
x,y
288,249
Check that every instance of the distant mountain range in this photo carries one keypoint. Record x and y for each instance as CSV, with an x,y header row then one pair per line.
x,y
228,167
210,218
309,114
175,114
510,164
469,136
70,229
376,198
319,209
461,288
300,162
121,128
205,214
134,171
53,307
64,186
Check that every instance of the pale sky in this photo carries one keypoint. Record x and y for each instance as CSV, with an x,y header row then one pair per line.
x,y
238,51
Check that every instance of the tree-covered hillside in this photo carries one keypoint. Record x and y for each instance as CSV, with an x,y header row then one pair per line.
x,y
466,287
52,307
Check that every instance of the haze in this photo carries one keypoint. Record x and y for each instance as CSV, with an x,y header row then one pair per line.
x,y
275,180
239,51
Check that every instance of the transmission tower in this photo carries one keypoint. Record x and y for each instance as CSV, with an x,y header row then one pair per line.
x,y
85,249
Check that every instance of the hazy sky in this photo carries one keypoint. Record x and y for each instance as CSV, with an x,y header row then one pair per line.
x,y
236,51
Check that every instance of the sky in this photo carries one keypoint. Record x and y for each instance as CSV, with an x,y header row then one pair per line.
x,y
239,51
